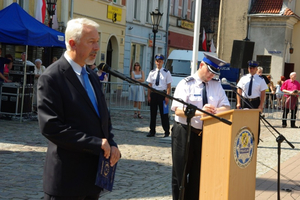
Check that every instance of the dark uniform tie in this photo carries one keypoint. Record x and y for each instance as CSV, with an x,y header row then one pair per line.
x,y
157,78
250,87
89,89
204,94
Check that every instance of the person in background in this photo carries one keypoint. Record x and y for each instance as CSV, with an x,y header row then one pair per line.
x,y
260,73
54,59
38,70
3,61
93,67
279,93
102,75
271,92
137,93
159,79
291,88
74,117
252,87
24,57
8,67
192,90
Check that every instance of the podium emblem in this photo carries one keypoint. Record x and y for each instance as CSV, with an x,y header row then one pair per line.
x,y
243,148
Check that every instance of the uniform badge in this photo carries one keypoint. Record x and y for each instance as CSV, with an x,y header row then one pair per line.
x,y
243,147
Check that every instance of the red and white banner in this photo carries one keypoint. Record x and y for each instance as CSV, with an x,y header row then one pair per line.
x,y
212,46
204,47
40,10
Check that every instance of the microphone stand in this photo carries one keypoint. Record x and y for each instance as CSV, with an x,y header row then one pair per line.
x,y
279,140
189,112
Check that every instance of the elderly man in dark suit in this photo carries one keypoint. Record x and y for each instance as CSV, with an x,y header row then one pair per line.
x,y
74,117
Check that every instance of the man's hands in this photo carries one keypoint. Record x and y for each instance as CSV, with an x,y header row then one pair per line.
x,y
105,147
115,155
110,151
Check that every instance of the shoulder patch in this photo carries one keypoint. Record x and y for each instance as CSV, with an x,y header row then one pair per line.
x,y
165,70
261,77
189,78
216,79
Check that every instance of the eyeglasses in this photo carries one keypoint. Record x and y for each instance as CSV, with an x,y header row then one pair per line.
x,y
136,65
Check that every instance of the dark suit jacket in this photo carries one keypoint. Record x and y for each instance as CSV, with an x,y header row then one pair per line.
x,y
69,121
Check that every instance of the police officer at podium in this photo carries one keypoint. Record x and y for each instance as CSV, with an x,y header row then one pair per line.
x,y
206,93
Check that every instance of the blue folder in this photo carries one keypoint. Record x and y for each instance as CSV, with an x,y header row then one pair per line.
x,y
166,107
105,174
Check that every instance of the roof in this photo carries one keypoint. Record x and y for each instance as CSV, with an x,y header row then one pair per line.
x,y
266,7
271,7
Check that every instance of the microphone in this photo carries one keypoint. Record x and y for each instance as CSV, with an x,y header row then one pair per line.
x,y
105,67
224,81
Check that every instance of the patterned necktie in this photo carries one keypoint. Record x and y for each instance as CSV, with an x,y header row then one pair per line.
x,y
250,87
89,89
204,94
157,78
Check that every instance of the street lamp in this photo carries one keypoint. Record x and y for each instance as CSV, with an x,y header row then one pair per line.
x,y
155,17
51,7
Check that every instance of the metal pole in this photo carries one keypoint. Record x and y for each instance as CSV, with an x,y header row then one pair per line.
x,y
167,31
196,37
153,50
24,85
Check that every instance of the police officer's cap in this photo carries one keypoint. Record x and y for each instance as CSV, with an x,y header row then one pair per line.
x,y
159,57
213,63
252,63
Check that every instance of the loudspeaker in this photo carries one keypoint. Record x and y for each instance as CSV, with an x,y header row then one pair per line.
x,y
242,52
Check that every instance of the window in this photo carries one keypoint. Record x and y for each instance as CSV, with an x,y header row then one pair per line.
x,y
161,8
265,63
148,17
184,10
175,7
137,6
171,7
192,16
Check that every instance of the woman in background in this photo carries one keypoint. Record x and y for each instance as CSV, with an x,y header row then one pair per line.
x,y
8,67
279,93
38,70
137,94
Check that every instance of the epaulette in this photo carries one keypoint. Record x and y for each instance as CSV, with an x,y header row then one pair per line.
x,y
215,79
153,70
189,78
165,70
261,77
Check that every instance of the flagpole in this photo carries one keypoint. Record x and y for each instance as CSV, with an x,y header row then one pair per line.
x,y
194,62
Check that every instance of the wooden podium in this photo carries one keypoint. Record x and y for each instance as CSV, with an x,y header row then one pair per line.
x,y
228,163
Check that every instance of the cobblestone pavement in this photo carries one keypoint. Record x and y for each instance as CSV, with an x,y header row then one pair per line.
x,y
144,172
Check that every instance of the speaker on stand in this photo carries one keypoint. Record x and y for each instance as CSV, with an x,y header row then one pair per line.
x,y
242,52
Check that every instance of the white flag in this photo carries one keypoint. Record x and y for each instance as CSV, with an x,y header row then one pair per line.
x,y
54,21
40,10
212,46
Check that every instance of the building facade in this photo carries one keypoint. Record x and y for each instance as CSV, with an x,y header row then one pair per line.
x,y
139,35
111,16
181,25
272,25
